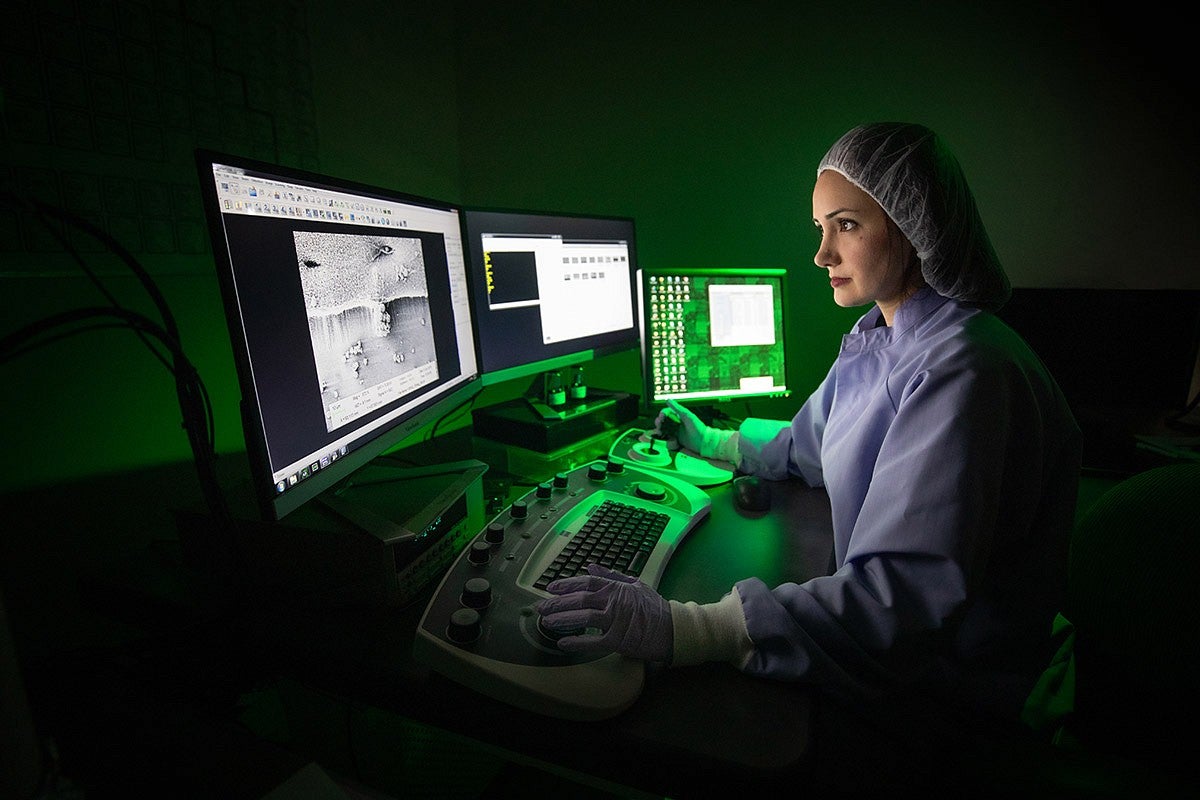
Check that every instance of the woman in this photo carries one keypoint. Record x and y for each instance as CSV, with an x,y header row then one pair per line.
x,y
949,455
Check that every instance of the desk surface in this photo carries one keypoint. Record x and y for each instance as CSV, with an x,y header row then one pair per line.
x,y
69,592
689,726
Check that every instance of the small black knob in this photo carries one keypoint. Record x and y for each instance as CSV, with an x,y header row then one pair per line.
x,y
480,553
597,471
615,467
519,510
476,593
543,489
464,625
494,533
560,480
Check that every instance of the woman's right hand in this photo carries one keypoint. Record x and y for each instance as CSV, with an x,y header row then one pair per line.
x,y
689,431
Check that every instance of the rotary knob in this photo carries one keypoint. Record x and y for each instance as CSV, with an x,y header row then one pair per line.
x,y
494,533
597,471
651,491
464,625
480,552
550,634
560,480
519,510
543,489
615,468
476,593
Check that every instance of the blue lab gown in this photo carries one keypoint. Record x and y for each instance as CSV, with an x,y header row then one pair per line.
x,y
951,461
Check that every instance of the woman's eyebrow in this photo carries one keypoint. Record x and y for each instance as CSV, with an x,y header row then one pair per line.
x,y
841,210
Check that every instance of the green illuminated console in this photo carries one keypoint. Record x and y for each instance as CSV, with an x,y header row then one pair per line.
x,y
640,448
481,630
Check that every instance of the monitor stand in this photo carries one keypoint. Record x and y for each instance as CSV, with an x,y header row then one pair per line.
x,y
530,421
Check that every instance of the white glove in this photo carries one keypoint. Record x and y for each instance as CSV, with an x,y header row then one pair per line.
x,y
633,619
694,435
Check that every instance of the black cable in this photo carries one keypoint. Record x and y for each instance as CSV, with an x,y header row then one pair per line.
x,y
48,339
44,210
55,328
194,401
156,296
51,329
453,411
19,341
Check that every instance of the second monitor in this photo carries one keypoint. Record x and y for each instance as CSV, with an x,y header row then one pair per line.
x,y
550,292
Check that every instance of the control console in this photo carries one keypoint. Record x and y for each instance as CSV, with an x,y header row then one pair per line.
x,y
480,628
641,448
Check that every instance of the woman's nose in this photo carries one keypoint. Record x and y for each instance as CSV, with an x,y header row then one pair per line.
x,y
824,257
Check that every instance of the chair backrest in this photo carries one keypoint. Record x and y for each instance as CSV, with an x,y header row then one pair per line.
x,y
1134,597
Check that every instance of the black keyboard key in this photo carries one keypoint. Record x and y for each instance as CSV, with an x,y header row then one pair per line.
x,y
617,535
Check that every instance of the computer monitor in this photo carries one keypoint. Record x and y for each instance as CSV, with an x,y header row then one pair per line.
x,y
348,310
711,335
549,290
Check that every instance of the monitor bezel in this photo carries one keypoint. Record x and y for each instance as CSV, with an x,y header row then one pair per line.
x,y
651,402
566,355
272,505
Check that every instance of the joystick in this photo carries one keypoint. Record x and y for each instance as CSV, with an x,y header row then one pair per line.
x,y
649,450
668,428
652,451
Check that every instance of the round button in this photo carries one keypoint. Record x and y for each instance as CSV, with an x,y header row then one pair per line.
x,y
560,480
543,489
651,491
464,625
480,552
494,533
597,471
519,510
477,593
615,467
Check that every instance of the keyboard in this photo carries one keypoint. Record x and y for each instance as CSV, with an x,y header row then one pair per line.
x,y
616,535
480,628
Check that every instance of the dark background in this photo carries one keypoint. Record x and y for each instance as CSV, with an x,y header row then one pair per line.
x,y
705,124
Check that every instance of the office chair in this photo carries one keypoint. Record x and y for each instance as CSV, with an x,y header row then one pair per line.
x,y
1134,598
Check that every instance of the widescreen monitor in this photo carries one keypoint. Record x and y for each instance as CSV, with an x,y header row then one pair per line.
x,y
711,335
549,290
348,310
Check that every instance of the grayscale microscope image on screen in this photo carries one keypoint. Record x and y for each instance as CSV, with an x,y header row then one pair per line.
x,y
368,319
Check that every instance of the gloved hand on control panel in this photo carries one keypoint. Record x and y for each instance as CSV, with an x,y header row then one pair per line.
x,y
632,619
691,433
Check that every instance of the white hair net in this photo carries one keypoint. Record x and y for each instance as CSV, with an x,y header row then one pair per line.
x,y
911,173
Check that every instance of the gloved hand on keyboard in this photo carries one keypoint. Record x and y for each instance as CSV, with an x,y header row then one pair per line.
x,y
693,434
632,618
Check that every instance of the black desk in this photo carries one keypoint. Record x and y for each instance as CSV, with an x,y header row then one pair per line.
x,y
112,631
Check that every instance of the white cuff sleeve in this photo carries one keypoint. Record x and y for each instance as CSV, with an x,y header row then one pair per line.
x,y
710,632
721,444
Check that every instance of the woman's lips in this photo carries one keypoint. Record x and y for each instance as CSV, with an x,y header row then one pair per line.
x,y
837,282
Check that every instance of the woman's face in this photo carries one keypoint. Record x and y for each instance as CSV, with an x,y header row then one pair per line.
x,y
864,252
